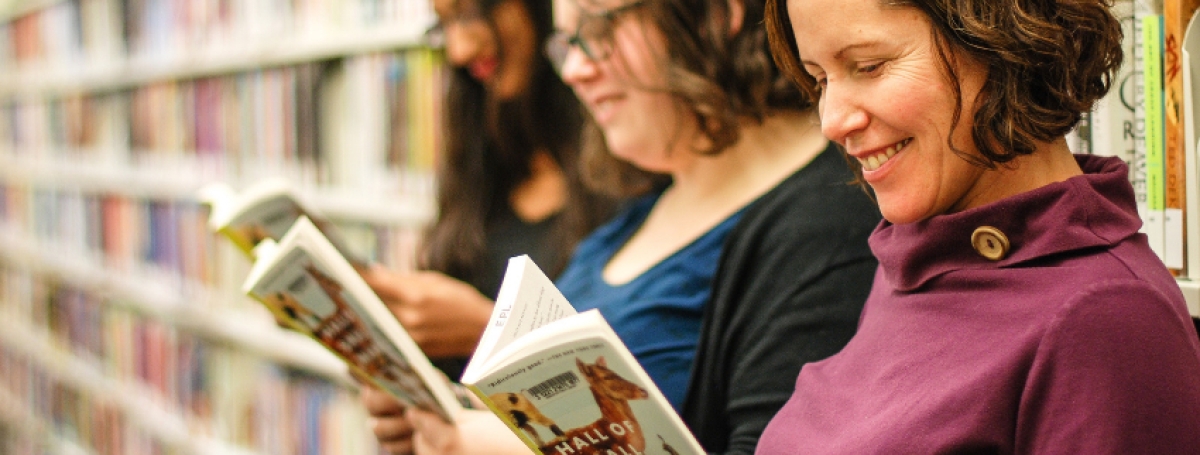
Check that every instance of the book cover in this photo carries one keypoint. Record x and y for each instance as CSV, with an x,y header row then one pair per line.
x,y
564,382
311,289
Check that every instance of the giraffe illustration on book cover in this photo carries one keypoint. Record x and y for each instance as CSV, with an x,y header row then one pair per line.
x,y
327,314
615,431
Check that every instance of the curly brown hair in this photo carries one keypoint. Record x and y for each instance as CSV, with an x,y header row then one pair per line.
x,y
1047,63
717,77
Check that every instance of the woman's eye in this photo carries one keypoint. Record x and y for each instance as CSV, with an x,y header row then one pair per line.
x,y
868,69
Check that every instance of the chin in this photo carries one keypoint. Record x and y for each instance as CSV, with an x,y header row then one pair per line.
x,y
901,214
506,90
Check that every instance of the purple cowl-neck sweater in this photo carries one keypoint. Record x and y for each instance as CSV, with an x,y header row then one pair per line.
x,y
1076,341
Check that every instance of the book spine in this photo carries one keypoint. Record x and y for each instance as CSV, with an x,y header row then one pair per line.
x,y
1148,169
1112,119
1191,169
1176,15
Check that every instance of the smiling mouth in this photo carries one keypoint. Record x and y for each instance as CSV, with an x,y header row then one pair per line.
x,y
873,162
483,70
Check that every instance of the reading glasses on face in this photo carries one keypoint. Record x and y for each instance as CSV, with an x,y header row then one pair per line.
x,y
593,36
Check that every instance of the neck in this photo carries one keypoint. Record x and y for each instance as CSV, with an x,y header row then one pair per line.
x,y
543,194
1051,162
765,154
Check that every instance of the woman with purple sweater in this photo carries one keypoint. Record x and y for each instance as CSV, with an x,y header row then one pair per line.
x,y
1016,308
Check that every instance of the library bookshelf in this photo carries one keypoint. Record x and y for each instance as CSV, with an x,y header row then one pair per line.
x,y
1157,76
125,328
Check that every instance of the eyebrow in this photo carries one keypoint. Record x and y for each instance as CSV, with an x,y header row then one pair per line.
x,y
841,53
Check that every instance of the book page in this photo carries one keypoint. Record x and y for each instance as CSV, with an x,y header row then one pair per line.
x,y
527,300
585,395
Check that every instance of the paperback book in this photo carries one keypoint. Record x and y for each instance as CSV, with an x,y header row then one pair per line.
x,y
312,289
563,381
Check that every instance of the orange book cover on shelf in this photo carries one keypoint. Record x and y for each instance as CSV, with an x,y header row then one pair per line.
x,y
1176,15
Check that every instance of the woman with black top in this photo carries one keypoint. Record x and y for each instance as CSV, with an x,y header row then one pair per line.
x,y
507,183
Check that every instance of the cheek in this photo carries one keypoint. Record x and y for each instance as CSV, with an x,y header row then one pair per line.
x,y
514,75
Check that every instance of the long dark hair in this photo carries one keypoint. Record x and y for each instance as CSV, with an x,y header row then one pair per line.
x,y
489,147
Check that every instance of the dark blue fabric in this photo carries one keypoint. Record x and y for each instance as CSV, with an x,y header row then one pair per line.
x,y
658,313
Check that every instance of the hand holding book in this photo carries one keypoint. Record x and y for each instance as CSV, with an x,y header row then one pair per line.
x,y
443,315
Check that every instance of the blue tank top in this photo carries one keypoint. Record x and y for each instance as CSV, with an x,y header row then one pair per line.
x,y
657,314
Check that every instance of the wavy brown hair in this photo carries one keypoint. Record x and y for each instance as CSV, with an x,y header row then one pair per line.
x,y
716,77
1048,62
490,145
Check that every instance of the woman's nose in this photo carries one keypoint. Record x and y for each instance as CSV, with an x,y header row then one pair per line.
x,y
462,43
841,114
576,66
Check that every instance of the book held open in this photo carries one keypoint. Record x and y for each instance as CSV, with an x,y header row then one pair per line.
x,y
311,288
563,381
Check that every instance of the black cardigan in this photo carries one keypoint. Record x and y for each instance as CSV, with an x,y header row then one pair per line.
x,y
789,289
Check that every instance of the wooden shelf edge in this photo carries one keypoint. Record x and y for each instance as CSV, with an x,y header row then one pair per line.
x,y
12,9
378,207
234,57
1191,293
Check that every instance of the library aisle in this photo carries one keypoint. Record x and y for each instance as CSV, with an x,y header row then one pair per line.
x,y
125,328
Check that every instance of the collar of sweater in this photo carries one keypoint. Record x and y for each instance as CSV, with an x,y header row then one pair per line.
x,y
1096,209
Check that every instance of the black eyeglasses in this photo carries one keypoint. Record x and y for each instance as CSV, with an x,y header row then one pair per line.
x,y
593,35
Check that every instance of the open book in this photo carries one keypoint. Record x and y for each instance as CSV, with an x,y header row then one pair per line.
x,y
312,289
563,381
265,210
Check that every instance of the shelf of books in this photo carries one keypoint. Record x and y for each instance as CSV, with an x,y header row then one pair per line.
x,y
32,434
1149,120
126,329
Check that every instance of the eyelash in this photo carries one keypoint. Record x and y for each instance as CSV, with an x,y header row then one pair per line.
x,y
868,69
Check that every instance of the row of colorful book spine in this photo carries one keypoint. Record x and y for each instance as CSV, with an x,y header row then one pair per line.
x,y
72,33
249,405
366,121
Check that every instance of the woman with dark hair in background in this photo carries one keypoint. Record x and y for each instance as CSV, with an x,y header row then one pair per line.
x,y
507,180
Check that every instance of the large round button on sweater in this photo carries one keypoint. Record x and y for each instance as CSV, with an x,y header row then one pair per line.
x,y
990,242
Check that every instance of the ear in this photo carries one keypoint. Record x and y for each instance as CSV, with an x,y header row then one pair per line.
x,y
737,16
600,362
